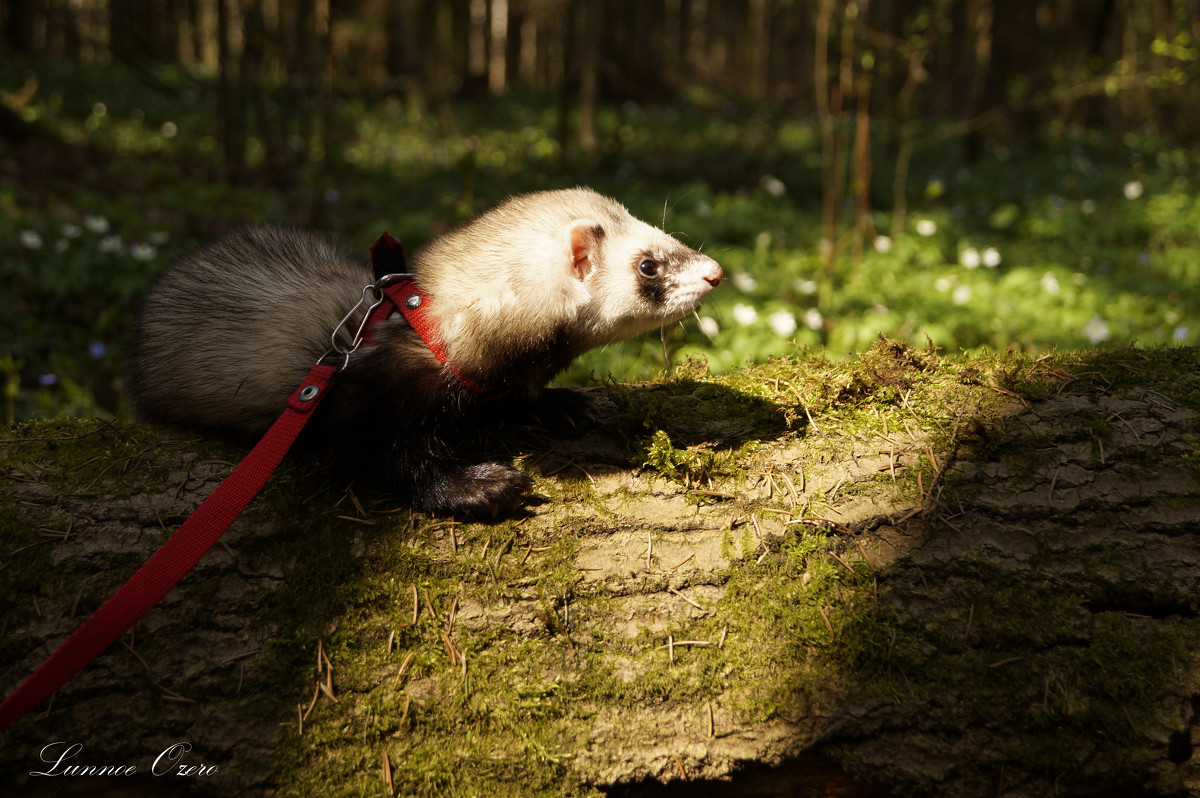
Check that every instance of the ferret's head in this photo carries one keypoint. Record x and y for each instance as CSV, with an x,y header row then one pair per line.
x,y
569,264
637,277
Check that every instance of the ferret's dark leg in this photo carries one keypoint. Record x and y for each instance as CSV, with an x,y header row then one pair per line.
x,y
404,427
425,463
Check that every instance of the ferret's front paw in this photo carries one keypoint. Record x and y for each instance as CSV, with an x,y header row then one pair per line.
x,y
486,489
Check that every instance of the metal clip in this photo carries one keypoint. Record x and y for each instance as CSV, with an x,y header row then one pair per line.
x,y
388,279
372,297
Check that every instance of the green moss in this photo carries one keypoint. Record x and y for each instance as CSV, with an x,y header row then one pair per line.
x,y
682,465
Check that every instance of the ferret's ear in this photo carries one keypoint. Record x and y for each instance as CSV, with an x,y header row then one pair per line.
x,y
583,238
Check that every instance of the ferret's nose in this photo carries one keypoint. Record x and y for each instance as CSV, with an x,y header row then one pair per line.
x,y
712,275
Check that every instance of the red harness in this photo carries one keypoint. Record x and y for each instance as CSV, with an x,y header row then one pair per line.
x,y
414,304
396,292
404,295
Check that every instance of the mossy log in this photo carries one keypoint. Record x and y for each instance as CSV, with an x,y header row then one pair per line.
x,y
897,574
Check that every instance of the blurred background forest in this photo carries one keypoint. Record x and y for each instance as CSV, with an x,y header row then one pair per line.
x,y
1018,174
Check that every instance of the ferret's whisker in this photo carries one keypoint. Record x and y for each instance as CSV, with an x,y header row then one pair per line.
x,y
662,337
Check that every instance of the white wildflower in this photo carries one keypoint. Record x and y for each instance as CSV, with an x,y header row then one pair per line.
x,y
96,224
1133,189
883,244
991,257
709,326
1180,333
970,258
806,287
813,319
926,227
110,244
1050,283
943,284
744,315
961,295
744,282
143,252
782,323
772,185
1088,207
169,130
1096,330
30,239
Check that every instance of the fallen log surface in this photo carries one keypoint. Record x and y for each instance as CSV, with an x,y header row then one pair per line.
x,y
898,574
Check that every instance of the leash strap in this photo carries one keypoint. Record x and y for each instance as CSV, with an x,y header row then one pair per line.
x,y
174,558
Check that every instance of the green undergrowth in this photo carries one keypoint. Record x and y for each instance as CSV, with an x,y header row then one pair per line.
x,y
1062,239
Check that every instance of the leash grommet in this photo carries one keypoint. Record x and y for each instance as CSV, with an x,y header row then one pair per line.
x,y
308,393
413,302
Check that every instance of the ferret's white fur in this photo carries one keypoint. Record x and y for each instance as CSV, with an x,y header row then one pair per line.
x,y
510,273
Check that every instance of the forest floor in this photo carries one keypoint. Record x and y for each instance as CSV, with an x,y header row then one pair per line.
x,y
899,573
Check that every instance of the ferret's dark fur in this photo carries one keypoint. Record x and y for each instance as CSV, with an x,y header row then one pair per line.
x,y
229,331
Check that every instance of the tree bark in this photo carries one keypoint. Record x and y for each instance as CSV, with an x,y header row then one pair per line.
x,y
898,575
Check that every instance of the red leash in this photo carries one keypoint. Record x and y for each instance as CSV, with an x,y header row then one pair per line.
x,y
174,558
199,532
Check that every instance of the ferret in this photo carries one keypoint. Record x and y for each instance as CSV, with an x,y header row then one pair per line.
x,y
228,332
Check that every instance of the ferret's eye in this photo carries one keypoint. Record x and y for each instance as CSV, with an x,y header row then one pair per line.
x,y
648,268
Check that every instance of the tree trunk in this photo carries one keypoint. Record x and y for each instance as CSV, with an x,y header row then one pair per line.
x,y
759,45
229,94
498,47
895,575
588,42
17,27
